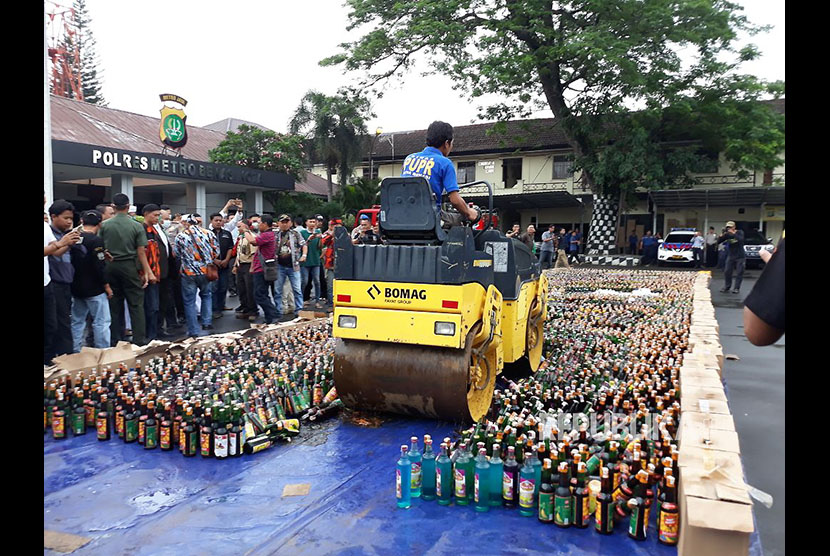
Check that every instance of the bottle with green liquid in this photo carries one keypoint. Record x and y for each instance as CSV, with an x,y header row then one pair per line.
x,y
428,470
527,480
460,470
444,477
482,481
415,460
496,471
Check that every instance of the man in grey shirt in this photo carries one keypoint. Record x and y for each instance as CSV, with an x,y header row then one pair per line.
x,y
547,249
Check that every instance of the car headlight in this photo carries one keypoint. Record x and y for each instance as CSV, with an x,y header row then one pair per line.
x,y
445,328
347,321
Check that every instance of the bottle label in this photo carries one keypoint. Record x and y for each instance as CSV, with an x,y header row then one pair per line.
x,y
131,430
507,486
78,423
119,424
164,438
476,488
632,523
562,510
181,439
545,506
57,426
141,429
205,443
151,437
526,493
415,480
220,445
609,516
101,427
261,446
232,444
438,481
668,526
586,510
460,484
398,492
192,443
89,415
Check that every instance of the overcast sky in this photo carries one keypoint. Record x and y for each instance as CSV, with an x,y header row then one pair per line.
x,y
255,59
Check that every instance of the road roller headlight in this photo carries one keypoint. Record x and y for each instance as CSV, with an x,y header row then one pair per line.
x,y
347,321
445,328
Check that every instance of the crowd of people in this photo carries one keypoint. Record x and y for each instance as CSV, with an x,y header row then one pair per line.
x,y
158,275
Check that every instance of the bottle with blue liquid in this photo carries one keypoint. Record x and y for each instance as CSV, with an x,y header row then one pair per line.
x,y
403,477
444,484
482,481
496,472
428,470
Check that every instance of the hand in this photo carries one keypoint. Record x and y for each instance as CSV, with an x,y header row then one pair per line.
x,y
107,256
144,280
108,291
765,255
69,239
233,270
302,259
151,278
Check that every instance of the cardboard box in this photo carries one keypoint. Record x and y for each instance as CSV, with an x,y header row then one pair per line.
x,y
695,435
709,379
694,393
705,406
716,420
713,527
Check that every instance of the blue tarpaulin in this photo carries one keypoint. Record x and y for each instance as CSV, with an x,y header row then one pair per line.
x,y
132,501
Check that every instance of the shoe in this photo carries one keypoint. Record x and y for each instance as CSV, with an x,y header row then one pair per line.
x,y
165,336
736,291
724,290
242,315
252,318
226,309
128,332
240,309
207,327
218,315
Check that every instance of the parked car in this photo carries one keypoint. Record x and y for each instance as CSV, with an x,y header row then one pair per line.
x,y
677,247
754,242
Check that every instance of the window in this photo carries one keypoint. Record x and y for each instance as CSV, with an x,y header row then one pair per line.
x,y
562,167
707,164
374,173
511,171
466,172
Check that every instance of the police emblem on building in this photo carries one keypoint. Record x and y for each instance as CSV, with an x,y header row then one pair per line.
x,y
173,126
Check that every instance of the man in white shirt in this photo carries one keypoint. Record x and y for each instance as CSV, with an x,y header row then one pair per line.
x,y
711,256
697,249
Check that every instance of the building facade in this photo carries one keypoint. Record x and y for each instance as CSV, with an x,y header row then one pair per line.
x,y
528,166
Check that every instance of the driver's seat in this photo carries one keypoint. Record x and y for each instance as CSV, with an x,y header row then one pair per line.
x,y
407,212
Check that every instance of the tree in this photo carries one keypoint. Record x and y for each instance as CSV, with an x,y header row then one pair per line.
x,y
361,194
84,59
253,147
334,125
589,62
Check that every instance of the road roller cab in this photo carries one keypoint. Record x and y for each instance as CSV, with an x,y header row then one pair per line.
x,y
425,322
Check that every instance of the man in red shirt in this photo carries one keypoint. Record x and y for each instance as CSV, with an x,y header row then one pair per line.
x,y
327,242
151,292
266,245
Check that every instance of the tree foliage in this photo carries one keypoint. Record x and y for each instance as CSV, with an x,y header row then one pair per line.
x,y
590,62
86,63
253,147
334,126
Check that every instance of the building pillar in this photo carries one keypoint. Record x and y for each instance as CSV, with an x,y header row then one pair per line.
x,y
258,201
654,223
48,183
196,201
122,183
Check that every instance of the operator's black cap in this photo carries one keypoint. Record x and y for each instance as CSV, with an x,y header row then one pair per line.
x,y
120,200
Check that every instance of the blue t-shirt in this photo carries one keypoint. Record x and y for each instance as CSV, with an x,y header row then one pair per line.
x,y
435,167
649,241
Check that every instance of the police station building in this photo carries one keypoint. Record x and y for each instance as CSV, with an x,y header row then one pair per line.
x,y
98,152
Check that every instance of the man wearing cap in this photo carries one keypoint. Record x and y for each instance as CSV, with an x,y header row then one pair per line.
x,y
159,267
90,290
310,269
126,240
735,257
433,165
196,248
291,252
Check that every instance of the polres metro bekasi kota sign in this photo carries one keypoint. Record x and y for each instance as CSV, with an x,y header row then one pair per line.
x,y
173,126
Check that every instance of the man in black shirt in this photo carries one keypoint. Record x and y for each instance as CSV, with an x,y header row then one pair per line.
x,y
764,306
735,257
90,291
225,241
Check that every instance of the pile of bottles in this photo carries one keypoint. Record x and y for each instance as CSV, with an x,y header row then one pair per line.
x,y
220,401
591,434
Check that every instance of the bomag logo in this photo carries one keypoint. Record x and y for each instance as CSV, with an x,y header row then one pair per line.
x,y
405,293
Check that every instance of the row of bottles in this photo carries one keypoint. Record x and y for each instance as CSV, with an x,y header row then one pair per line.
x,y
219,402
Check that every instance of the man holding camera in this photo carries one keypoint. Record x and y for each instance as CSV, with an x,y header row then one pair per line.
x,y
735,257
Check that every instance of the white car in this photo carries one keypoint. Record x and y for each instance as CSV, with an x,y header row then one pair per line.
x,y
677,247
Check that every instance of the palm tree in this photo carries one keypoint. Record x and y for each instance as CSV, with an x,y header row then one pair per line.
x,y
333,126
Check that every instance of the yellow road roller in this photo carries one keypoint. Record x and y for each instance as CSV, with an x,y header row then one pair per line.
x,y
425,322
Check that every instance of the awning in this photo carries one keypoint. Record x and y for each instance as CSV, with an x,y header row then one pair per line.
x,y
720,197
546,199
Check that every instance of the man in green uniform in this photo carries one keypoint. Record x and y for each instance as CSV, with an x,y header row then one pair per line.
x,y
311,267
125,240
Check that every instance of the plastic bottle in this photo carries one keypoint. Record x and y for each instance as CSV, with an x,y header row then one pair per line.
x,y
403,477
